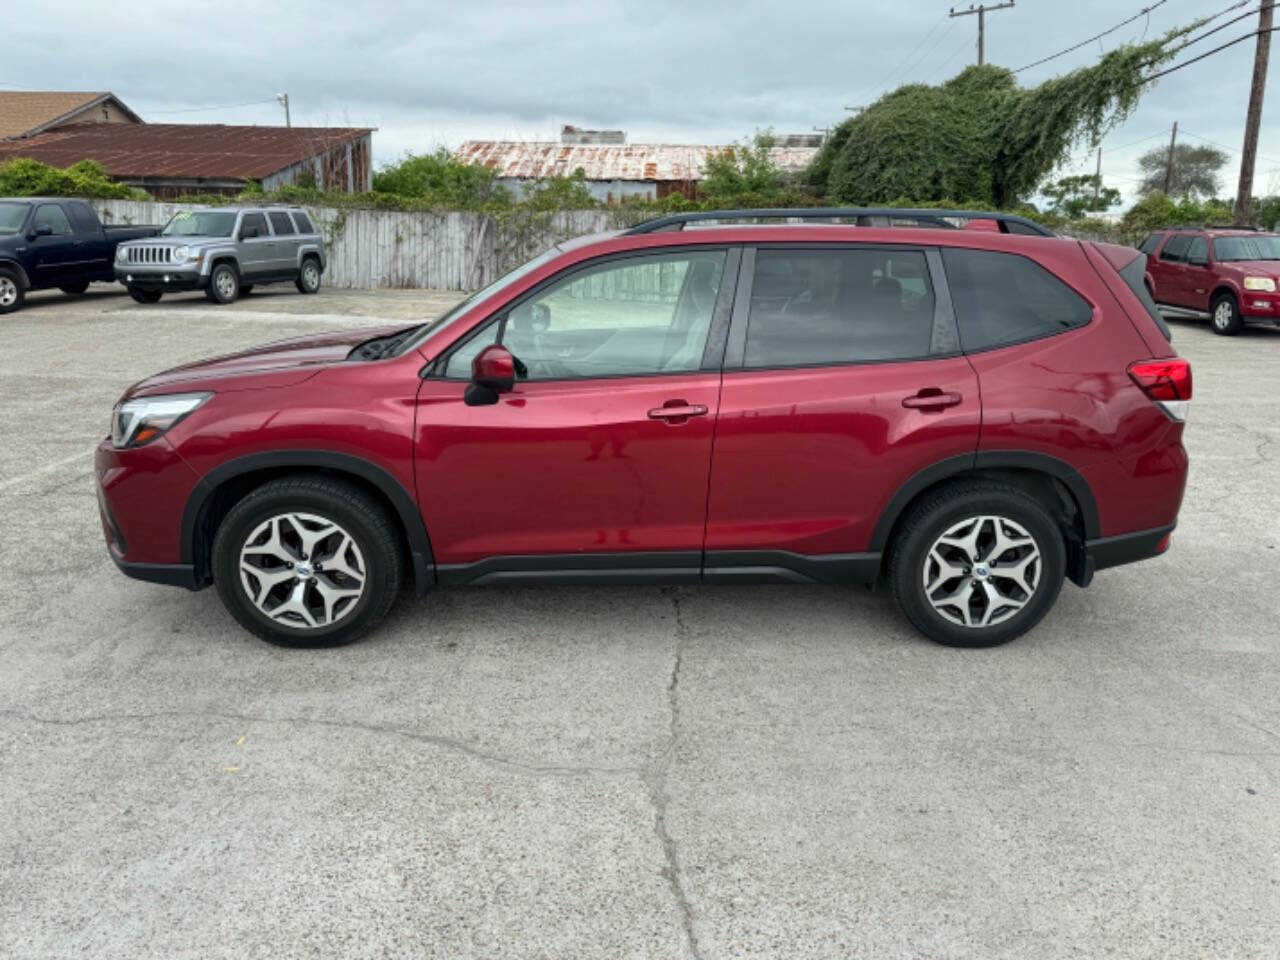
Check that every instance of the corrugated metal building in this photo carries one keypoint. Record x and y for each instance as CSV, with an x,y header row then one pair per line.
x,y
616,170
170,159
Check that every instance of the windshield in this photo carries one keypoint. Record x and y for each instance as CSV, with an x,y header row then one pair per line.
x,y
433,326
1247,248
13,216
200,223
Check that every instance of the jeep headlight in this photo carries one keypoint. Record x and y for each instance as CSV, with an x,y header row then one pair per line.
x,y
181,254
122,254
142,419
1260,283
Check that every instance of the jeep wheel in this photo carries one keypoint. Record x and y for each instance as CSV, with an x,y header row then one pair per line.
x,y
11,292
307,562
977,564
309,276
224,284
1225,315
145,296
75,289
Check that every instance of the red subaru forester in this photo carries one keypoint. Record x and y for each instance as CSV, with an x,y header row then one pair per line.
x,y
967,416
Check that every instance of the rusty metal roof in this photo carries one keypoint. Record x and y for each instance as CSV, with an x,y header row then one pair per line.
x,y
537,160
181,150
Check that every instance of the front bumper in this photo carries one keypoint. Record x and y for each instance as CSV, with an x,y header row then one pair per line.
x,y
142,492
1259,305
174,279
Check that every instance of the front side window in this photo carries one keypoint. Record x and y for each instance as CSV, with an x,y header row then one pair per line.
x,y
631,317
1004,298
252,220
50,215
1176,249
812,307
200,223
281,223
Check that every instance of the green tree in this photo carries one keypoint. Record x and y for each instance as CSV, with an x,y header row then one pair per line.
x,y
24,177
1073,197
979,137
1195,171
441,179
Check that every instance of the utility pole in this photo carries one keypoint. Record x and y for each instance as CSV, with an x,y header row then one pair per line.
x,y
1244,193
981,10
1097,177
1168,167
283,100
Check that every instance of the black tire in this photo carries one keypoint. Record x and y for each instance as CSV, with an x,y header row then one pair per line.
x,y
75,289
952,505
1224,315
246,289
309,276
224,284
369,526
12,295
145,296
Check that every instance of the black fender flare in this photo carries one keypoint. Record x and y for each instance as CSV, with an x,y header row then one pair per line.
x,y
404,504
989,460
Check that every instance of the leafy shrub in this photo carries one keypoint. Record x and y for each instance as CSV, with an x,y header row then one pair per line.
x,y
24,177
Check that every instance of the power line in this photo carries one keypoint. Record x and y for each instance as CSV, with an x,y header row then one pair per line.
x,y
1084,43
1186,63
225,106
902,73
1225,147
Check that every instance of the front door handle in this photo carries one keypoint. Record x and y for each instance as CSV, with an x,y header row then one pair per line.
x,y
677,411
931,399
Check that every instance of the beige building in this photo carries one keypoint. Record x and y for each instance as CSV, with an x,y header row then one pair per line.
x,y
29,112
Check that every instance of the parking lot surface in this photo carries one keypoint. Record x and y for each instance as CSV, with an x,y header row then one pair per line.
x,y
632,771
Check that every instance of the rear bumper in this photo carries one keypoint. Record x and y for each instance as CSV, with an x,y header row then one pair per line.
x,y
1126,548
169,574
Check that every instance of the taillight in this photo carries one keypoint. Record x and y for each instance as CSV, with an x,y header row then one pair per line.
x,y
1166,382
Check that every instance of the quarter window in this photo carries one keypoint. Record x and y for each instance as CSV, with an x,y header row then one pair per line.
x,y
50,215
811,307
1003,298
638,316
281,223
303,222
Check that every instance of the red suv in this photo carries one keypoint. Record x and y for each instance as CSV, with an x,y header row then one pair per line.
x,y
967,416
1227,276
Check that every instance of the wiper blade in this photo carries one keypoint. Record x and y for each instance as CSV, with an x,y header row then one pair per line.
x,y
380,347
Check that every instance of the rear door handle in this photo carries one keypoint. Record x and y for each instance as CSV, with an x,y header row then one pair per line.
x,y
931,398
677,411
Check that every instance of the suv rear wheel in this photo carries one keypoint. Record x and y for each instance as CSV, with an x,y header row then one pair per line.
x,y
11,292
977,564
309,276
1225,315
224,284
307,562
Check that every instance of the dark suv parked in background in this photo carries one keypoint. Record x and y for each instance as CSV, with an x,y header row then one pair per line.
x,y
1227,276
970,416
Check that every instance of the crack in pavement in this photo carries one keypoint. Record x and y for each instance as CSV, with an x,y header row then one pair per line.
x,y
657,780
507,764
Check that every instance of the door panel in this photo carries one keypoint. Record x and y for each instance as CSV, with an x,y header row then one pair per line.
x,y
565,467
256,254
806,460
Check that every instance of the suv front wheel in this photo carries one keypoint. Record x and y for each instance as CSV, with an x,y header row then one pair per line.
x,y
977,564
307,562
224,284
1225,315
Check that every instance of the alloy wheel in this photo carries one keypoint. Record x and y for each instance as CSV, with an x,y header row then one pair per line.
x,y
981,571
302,570
310,275
1222,315
8,292
226,284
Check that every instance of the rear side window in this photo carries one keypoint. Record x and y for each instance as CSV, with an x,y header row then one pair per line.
x,y
303,222
1151,243
1003,298
281,223
1176,249
813,307
1134,276
82,217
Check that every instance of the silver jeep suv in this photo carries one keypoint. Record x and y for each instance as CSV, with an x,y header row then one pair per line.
x,y
224,252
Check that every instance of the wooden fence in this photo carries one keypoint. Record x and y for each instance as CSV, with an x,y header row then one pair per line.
x,y
383,248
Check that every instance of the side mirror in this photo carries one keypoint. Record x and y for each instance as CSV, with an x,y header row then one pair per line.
x,y
493,371
43,230
249,233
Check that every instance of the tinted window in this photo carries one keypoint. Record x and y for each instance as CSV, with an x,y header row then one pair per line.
x,y
641,315
13,216
1134,276
1247,248
281,223
1175,249
254,220
303,222
50,215
838,306
1151,243
1199,249
82,216
1003,298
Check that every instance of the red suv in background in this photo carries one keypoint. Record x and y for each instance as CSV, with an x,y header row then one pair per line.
x,y
968,416
1228,276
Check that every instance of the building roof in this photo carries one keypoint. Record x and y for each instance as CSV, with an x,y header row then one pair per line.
x,y
538,160
179,150
24,112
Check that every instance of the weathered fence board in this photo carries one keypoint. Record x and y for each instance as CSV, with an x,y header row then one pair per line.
x,y
383,248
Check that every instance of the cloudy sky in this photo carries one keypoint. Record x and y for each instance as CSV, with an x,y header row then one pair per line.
x,y
427,74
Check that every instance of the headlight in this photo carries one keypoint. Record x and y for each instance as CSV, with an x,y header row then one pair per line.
x,y
181,254
143,419
121,254
1260,283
